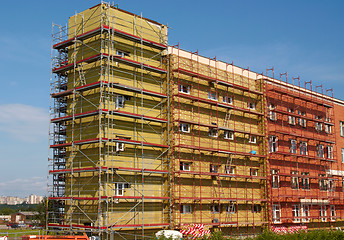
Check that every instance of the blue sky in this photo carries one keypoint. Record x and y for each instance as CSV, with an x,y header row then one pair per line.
x,y
303,38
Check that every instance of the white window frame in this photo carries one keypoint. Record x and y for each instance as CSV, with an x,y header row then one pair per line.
x,y
229,135
276,213
273,144
341,125
295,184
272,116
330,152
252,139
318,126
291,120
186,209
212,95
331,185
328,129
293,146
296,213
323,184
320,151
119,188
302,122
119,101
305,181
213,132
342,151
254,172
119,147
275,178
251,105
305,212
228,100
185,166
184,88
323,213
333,212
184,127
303,148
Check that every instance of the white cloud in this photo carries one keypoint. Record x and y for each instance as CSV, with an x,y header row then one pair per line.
x,y
24,186
24,122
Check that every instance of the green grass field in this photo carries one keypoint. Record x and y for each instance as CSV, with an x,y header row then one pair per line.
x,y
19,232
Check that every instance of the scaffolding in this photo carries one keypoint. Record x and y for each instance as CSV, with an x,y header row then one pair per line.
x,y
218,156
302,154
146,137
109,161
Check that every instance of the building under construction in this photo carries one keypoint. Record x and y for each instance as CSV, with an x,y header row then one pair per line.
x,y
147,136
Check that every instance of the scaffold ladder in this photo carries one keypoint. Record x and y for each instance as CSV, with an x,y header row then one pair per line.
x,y
227,118
81,74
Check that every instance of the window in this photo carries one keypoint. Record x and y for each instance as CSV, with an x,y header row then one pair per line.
x,y
331,186
341,123
231,208
303,148
322,182
185,166
228,135
256,208
227,99
119,147
320,150
318,126
294,180
275,178
230,170
271,114
122,53
215,208
214,168
251,105
291,119
301,121
323,213
296,213
119,101
276,213
305,180
292,146
184,127
273,144
343,184
328,128
333,213
184,88
119,188
330,152
252,139
186,208
212,96
305,213
253,172
213,132
342,151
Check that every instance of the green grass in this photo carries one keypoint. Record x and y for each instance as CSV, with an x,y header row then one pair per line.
x,y
19,232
